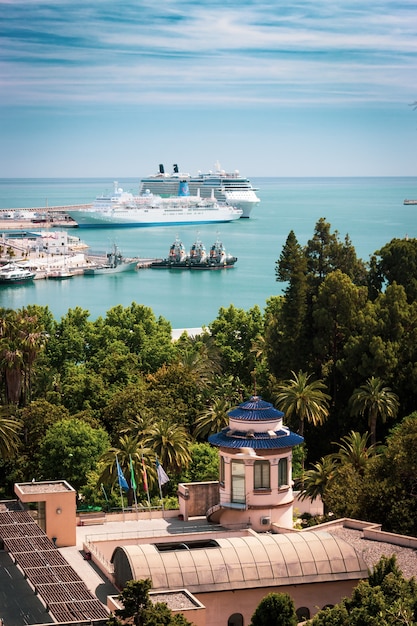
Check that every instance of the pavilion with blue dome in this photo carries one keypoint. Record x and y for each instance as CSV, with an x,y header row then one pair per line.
x,y
255,452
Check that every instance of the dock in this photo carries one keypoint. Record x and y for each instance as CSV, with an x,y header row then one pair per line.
x,y
47,217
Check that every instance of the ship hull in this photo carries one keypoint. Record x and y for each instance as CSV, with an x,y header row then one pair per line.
x,y
123,267
142,216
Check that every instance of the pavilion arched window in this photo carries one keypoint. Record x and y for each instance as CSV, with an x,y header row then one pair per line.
x,y
238,482
283,472
261,475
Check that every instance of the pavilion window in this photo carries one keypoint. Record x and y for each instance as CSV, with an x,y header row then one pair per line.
x,y
283,472
238,482
222,470
261,475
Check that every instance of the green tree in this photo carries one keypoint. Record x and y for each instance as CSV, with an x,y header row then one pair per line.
x,y
124,408
70,449
175,391
171,444
139,609
390,481
144,335
398,264
385,599
36,418
326,253
318,478
204,465
355,451
10,428
276,609
212,419
303,401
70,340
129,449
292,269
337,314
234,331
33,340
375,400
342,476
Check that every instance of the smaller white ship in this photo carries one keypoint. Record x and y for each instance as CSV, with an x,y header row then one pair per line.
x,y
14,274
118,198
150,210
115,263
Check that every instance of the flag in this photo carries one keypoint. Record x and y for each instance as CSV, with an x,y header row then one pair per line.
x,y
132,475
144,476
122,480
162,475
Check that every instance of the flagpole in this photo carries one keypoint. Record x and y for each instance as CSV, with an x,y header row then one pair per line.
x,y
120,487
160,488
105,495
162,479
133,485
145,482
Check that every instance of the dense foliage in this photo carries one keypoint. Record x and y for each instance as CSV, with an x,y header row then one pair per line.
x,y
337,352
385,599
276,609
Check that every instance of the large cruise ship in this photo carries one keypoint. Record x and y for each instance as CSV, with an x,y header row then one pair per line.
x,y
228,187
150,210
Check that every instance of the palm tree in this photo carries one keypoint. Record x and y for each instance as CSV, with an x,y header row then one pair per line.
x,y
9,434
12,363
303,400
375,400
316,479
171,444
355,451
32,344
258,349
127,448
213,419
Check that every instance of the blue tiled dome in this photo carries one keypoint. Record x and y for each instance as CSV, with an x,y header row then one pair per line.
x,y
247,435
228,438
256,409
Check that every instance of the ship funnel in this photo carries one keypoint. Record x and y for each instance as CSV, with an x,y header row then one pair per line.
x,y
161,168
175,168
183,188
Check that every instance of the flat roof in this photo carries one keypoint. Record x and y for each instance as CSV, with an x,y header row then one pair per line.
x,y
49,486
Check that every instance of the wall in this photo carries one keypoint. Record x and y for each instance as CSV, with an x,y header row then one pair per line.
x,y
196,498
221,605
60,508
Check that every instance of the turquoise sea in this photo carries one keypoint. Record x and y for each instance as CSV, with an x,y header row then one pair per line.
x,y
370,210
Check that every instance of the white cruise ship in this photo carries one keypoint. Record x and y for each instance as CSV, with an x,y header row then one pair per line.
x,y
152,210
228,187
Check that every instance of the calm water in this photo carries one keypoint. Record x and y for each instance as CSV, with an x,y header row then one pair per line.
x,y
370,210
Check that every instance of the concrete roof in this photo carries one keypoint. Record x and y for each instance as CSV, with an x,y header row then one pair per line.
x,y
48,486
242,562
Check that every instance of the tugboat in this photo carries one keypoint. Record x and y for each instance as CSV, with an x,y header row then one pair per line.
x,y
198,255
219,258
177,258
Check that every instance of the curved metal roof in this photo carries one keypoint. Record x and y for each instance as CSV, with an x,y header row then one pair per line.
x,y
256,409
262,560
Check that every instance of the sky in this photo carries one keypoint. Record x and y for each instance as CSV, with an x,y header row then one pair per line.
x,y
302,88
